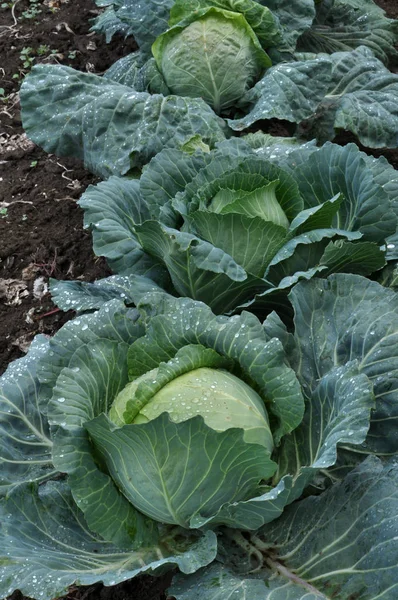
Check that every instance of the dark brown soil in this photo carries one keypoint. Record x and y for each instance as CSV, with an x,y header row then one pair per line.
x,y
390,6
41,232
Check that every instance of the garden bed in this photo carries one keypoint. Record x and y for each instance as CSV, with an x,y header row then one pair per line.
x,y
41,229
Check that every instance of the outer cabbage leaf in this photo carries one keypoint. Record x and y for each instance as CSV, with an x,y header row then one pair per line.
x,y
111,207
295,17
113,321
82,296
108,125
48,534
198,269
290,155
83,369
25,442
348,317
168,173
349,91
366,206
127,70
290,91
156,465
137,73
344,24
144,20
109,24
252,242
362,98
340,544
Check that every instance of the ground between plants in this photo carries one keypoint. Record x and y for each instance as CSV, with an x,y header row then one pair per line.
x,y
41,233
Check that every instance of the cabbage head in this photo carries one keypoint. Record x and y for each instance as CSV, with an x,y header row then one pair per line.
x,y
164,436
189,417
213,53
234,229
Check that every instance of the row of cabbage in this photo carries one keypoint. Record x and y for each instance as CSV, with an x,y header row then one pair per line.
x,y
225,404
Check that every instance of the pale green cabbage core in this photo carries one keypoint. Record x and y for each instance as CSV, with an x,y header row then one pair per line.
x,y
217,58
223,400
261,202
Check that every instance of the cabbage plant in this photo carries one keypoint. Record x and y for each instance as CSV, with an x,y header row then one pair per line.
x,y
254,461
236,227
215,68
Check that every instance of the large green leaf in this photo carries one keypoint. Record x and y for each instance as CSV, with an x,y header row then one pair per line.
x,y
362,98
366,206
372,115
295,17
109,24
112,208
83,296
337,412
127,71
144,20
220,582
344,318
197,268
113,322
317,217
156,465
168,173
290,91
341,544
289,156
341,25
363,258
252,242
46,547
302,253
85,368
108,125
25,442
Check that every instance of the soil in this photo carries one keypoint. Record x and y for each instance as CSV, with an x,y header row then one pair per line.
x,y
41,233
40,224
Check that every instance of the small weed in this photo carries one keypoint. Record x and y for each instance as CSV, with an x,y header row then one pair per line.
x,y
33,11
43,49
3,212
6,5
24,217
33,164
72,54
27,58
3,98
